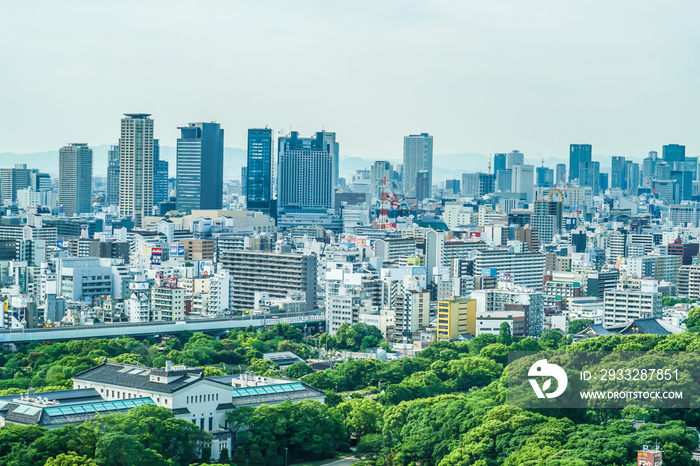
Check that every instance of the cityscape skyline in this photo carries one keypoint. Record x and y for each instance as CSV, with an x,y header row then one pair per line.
x,y
552,68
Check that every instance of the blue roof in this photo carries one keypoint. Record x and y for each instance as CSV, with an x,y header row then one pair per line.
x,y
97,407
268,389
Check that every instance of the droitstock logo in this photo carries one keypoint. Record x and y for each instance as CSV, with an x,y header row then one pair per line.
x,y
543,369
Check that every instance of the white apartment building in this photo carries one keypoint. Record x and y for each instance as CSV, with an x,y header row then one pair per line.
x,y
621,306
526,269
168,301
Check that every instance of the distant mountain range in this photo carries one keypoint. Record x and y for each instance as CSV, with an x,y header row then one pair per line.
x,y
445,166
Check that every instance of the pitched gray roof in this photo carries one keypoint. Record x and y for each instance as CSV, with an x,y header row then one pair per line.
x,y
138,377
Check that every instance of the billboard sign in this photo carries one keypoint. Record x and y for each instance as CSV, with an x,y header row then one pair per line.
x,y
156,256
177,249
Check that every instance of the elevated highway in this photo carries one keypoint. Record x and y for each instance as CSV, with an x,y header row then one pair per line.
x,y
214,326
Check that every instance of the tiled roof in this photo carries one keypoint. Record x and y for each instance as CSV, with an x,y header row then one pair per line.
x,y
138,377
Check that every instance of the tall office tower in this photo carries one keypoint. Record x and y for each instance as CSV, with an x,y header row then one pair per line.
x,y
504,181
545,177
662,171
12,179
39,181
603,182
524,180
617,173
684,182
305,175
560,175
422,185
75,179
648,168
499,162
453,186
478,184
136,167
379,172
589,175
260,171
514,158
578,154
200,166
244,180
417,156
334,147
691,165
547,219
673,153
632,176
160,176
113,175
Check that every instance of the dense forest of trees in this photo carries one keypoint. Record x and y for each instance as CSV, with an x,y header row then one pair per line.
x,y
446,406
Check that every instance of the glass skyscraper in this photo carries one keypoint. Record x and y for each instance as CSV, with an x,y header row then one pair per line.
x,y
200,167
578,154
259,177
160,176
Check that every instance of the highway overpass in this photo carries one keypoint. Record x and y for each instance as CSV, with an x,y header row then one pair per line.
x,y
214,326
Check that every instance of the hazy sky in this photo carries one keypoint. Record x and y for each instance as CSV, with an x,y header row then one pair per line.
x,y
481,76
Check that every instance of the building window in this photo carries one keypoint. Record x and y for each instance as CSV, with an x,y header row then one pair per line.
x,y
201,423
211,424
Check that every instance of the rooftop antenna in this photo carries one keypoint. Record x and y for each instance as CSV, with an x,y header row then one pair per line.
x,y
490,157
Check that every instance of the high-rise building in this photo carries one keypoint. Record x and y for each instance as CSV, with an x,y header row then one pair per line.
x,y
632,176
547,219
662,171
684,180
200,166
477,184
453,185
504,180
272,273
305,174
75,178
422,185
417,156
514,158
523,180
545,177
603,182
691,165
589,175
160,176
673,153
113,175
560,175
39,181
259,181
12,179
617,173
136,166
578,154
499,162
380,172
648,169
